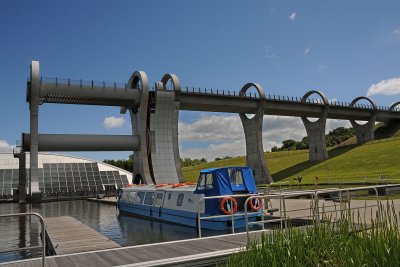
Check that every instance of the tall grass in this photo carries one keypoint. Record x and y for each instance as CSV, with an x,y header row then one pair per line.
x,y
345,242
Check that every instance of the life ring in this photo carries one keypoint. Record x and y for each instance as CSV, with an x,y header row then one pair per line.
x,y
256,205
161,185
225,201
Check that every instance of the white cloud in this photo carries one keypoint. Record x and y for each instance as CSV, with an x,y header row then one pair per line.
x,y
321,67
5,147
385,87
222,135
268,52
292,16
307,50
113,122
397,31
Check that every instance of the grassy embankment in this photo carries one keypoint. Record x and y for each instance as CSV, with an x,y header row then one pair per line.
x,y
346,164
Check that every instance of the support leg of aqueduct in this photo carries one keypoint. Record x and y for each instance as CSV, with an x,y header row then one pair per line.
x,y
34,99
140,127
253,134
364,132
316,130
164,156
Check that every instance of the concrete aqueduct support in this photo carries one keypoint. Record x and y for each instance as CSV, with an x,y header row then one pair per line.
x,y
34,101
140,127
316,130
164,152
365,132
392,107
253,135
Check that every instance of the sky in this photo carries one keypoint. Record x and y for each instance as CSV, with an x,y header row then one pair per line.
x,y
344,48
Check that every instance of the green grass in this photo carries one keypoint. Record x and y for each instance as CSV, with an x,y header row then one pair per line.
x,y
348,242
346,164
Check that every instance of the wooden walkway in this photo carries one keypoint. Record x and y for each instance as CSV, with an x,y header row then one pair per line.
x,y
68,235
192,252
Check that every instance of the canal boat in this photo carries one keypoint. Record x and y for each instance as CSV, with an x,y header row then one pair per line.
x,y
218,198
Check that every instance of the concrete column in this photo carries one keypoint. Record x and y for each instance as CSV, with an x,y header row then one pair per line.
x,y
164,156
140,127
365,132
316,130
255,158
33,98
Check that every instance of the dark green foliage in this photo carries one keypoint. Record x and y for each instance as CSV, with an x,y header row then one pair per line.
x,y
333,138
121,163
186,162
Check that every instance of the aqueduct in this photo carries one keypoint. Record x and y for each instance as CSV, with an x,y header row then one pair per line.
x,y
155,113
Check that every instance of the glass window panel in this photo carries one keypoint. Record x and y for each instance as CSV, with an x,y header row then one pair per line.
x,y
149,199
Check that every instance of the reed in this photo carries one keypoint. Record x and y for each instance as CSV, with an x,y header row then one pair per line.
x,y
347,241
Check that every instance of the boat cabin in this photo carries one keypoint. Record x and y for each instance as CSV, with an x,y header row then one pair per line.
x,y
225,181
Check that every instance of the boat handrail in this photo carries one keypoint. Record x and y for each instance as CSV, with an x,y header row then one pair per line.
x,y
43,246
232,215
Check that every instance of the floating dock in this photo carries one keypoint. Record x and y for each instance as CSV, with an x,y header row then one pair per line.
x,y
193,252
67,235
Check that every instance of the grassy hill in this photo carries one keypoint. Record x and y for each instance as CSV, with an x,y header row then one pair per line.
x,y
346,164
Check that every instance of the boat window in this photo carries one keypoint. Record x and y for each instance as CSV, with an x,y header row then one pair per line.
x,y
140,197
159,195
202,182
169,196
179,201
209,181
236,177
149,199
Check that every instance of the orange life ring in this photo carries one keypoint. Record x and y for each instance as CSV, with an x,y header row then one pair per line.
x,y
257,205
228,200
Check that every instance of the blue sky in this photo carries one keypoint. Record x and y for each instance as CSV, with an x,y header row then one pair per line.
x,y
289,47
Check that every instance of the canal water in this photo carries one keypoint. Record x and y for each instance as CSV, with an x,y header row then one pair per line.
x,y
123,229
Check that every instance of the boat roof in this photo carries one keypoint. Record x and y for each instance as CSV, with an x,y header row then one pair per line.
x,y
153,187
211,170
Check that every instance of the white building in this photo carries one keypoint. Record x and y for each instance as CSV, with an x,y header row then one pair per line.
x,y
60,173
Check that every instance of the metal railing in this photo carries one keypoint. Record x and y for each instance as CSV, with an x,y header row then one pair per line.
x,y
316,212
210,91
232,215
43,227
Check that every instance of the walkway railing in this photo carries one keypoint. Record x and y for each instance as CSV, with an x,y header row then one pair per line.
x,y
43,227
211,91
232,215
317,213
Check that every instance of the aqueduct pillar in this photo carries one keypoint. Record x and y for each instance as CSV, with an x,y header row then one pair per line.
x,y
316,130
255,158
365,132
34,101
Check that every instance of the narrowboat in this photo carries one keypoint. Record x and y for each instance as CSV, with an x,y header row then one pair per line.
x,y
228,187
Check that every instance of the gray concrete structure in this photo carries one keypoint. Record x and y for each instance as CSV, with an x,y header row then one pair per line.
x,y
365,132
316,129
164,155
252,127
394,106
83,142
140,127
33,98
155,114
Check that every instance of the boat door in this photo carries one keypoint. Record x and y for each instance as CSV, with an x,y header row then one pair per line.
x,y
157,205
